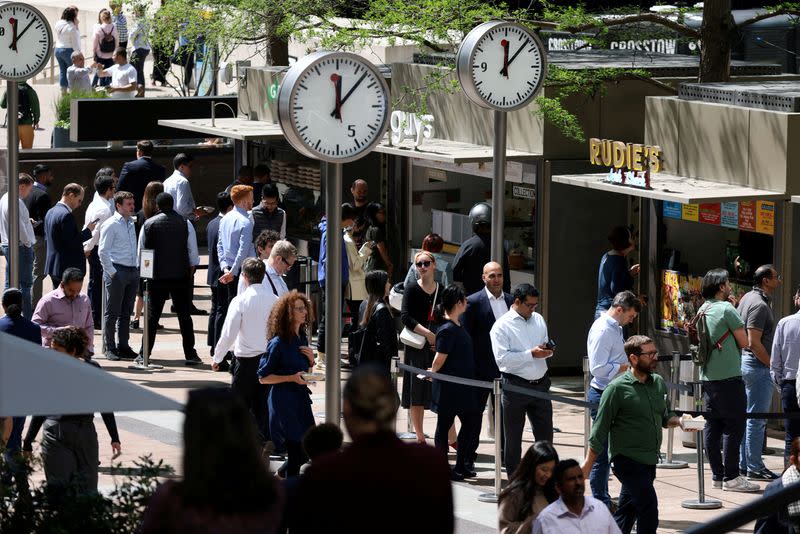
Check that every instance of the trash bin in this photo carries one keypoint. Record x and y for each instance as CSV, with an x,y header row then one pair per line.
x,y
689,373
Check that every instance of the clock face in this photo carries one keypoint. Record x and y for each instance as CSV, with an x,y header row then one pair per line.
x,y
501,65
333,106
25,41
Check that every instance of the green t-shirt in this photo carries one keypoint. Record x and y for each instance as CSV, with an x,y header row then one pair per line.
x,y
721,317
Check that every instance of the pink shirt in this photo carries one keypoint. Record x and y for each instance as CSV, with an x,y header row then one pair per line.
x,y
55,310
98,35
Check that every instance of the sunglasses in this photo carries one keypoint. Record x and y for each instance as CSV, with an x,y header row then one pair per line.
x,y
426,263
290,265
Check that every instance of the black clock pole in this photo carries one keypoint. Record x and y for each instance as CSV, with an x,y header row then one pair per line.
x,y
12,99
499,186
333,292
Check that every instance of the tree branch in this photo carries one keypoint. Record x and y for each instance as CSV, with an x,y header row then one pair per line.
x,y
629,19
768,15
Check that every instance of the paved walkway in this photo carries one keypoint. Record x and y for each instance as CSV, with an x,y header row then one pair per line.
x,y
159,433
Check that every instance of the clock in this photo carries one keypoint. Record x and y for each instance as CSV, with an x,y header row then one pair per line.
x,y
25,41
501,65
333,106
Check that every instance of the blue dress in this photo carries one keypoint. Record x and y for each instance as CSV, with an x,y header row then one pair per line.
x,y
289,403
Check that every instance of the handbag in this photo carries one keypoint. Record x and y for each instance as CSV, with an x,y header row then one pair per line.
x,y
410,338
357,338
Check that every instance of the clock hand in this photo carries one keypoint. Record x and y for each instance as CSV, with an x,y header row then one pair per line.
x,y
337,84
13,45
20,34
504,70
516,54
350,92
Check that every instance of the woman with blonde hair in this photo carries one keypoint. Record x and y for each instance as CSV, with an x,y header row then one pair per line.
x,y
419,301
282,366
149,209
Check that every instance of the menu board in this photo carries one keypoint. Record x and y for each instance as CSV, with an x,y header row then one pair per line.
x,y
753,216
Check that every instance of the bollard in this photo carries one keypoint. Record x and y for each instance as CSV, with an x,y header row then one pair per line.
x,y
494,497
701,503
587,419
145,365
675,373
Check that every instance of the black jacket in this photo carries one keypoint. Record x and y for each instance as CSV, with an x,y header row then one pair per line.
x,y
38,204
64,241
214,272
478,320
382,337
468,264
166,234
135,175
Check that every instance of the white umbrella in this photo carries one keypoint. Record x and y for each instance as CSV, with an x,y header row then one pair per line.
x,y
38,381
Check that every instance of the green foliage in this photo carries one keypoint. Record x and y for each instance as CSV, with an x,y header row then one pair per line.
x,y
551,110
62,105
48,511
415,99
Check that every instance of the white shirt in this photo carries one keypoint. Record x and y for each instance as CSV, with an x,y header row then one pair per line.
x,y
594,519
121,76
245,325
606,349
26,236
498,304
67,35
191,246
513,337
178,186
101,209
277,281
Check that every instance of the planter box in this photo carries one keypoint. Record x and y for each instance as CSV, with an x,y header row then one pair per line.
x,y
60,139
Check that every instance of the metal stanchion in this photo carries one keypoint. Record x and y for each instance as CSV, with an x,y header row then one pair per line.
x,y
493,497
675,372
145,365
587,418
309,266
701,503
409,434
103,303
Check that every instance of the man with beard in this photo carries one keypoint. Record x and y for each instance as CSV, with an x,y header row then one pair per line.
x,y
632,411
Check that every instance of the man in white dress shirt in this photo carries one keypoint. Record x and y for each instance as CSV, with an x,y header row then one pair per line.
x,y
123,75
245,331
521,345
99,210
178,186
26,241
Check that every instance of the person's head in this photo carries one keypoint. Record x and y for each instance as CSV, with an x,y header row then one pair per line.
x,y
107,171
321,439
425,264
104,17
621,239
797,297
375,214
144,148
253,271
116,7
480,218
242,196
290,314
569,481
164,202
77,59
71,282
245,175
283,254
104,185
120,56
269,197
42,174
264,243
369,402
625,307
224,202
454,302
70,14
493,278
25,185
242,486
12,302
526,298
642,354
124,204
767,278
72,195
261,173
377,285
70,340
182,163
716,284
359,190
348,215
535,471
151,192
433,243
794,453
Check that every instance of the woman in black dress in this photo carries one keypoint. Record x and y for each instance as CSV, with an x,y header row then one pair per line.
x,y
454,357
381,340
416,313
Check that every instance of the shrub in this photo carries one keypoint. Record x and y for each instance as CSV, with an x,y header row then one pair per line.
x,y
62,105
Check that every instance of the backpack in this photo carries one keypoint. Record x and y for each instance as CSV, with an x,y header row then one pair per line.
x,y
107,42
700,339
24,103
361,337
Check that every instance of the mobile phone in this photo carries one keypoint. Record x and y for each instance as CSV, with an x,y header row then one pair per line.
x,y
550,345
95,221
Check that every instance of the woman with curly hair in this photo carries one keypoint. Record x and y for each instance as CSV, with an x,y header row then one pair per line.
x,y
288,356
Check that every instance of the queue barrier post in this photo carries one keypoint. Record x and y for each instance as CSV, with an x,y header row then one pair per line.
x,y
701,503
103,304
587,420
409,434
675,370
497,390
145,364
